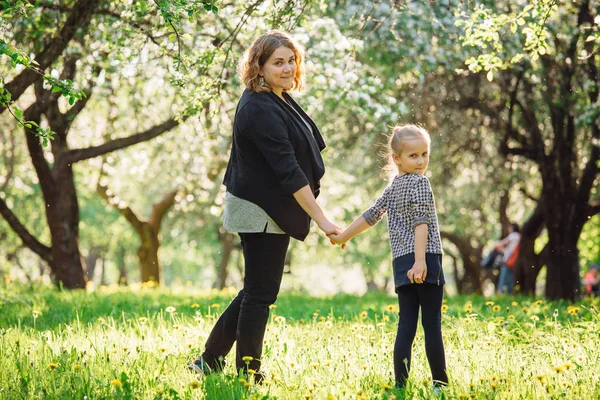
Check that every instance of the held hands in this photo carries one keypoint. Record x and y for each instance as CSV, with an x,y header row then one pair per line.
x,y
338,238
330,229
418,272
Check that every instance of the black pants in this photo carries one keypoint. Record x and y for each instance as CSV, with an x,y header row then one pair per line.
x,y
245,319
428,297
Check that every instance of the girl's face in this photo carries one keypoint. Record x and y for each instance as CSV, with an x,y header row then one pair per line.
x,y
279,70
414,157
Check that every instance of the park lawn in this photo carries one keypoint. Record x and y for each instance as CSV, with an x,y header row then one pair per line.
x,y
135,342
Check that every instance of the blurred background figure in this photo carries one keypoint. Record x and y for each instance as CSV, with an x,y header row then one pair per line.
x,y
509,246
591,280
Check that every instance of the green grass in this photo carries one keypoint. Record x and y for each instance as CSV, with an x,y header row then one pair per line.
x,y
136,342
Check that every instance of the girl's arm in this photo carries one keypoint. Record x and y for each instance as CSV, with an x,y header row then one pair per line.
x,y
359,225
418,272
307,201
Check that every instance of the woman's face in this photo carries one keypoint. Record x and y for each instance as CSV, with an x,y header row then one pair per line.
x,y
279,70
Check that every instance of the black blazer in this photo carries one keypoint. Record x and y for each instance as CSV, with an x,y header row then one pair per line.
x,y
273,155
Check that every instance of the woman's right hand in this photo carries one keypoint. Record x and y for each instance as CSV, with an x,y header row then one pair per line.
x,y
328,227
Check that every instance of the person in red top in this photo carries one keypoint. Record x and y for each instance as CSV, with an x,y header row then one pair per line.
x,y
591,280
510,247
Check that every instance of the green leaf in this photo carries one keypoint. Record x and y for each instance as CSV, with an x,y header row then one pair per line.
x,y
56,89
71,100
18,113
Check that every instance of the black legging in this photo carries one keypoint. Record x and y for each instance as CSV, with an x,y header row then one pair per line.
x,y
428,297
245,319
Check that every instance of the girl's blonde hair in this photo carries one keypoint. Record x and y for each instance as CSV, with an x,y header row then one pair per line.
x,y
400,134
260,51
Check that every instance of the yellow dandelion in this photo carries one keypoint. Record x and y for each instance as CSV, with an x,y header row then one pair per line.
x,y
489,303
163,349
364,315
314,365
538,303
142,320
511,317
330,397
386,386
493,384
195,385
272,306
77,367
170,309
569,365
514,304
215,305
386,318
279,319
444,308
116,383
53,366
559,369
242,380
36,313
496,308
535,318
308,396
390,308
328,324
251,371
195,305
468,307
247,358
101,320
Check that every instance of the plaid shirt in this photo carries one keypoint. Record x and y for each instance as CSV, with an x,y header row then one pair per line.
x,y
409,202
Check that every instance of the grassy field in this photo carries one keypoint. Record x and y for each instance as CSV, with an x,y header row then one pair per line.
x,y
136,342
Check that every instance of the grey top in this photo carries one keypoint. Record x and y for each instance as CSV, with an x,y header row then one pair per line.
x,y
409,202
243,216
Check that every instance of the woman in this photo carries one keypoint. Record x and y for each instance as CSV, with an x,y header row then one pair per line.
x,y
272,182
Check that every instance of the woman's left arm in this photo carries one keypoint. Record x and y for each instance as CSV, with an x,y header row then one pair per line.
x,y
304,196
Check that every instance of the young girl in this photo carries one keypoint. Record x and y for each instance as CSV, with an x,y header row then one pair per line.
x,y
416,249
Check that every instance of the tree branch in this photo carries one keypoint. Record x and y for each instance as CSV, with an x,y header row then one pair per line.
x,y
160,209
113,200
28,239
81,15
76,155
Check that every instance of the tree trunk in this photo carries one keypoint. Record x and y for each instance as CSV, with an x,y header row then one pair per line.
x,y
91,261
148,255
227,241
58,189
148,230
470,281
562,278
122,266
529,264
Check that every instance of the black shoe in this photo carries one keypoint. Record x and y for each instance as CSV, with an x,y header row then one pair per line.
x,y
201,367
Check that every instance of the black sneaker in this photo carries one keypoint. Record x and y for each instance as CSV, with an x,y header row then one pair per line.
x,y
201,367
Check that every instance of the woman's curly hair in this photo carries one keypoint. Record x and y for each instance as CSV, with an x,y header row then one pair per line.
x,y
260,51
